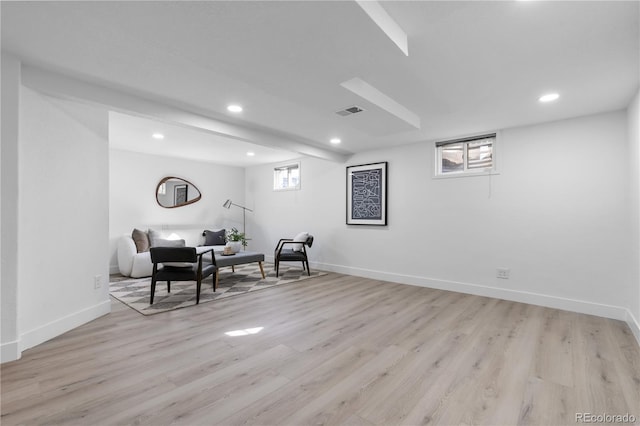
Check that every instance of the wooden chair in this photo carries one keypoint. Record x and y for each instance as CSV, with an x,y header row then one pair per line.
x,y
293,250
179,264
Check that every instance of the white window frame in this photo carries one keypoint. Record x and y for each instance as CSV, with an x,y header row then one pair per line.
x,y
289,166
466,172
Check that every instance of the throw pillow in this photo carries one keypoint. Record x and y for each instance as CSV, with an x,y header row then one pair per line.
x,y
301,237
153,236
161,242
141,239
215,238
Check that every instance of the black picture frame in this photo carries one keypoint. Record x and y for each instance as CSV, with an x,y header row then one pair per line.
x,y
367,194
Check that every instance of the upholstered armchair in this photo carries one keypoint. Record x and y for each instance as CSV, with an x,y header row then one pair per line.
x,y
293,250
180,264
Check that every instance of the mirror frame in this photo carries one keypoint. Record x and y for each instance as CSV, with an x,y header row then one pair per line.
x,y
165,179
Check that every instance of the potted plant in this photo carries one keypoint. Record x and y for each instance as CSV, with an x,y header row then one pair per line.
x,y
236,239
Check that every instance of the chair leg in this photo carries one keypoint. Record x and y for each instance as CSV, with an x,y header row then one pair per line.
x,y
153,290
308,270
277,267
198,286
168,286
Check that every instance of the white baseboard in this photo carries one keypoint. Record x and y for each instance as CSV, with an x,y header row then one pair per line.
x,y
633,324
10,351
57,327
574,305
114,269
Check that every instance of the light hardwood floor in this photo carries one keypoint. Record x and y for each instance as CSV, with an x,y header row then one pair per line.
x,y
333,350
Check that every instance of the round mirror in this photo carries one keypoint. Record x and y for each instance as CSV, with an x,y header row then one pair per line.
x,y
175,192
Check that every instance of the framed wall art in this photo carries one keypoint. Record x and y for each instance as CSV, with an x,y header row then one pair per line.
x,y
367,194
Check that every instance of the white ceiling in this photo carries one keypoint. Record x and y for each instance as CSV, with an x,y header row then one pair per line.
x,y
472,66
132,133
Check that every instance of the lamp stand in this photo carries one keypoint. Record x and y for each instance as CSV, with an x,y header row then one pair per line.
x,y
227,205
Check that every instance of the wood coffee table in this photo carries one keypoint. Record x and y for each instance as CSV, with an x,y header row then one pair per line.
x,y
239,258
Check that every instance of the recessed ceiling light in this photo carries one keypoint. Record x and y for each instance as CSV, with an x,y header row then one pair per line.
x,y
335,141
250,154
157,136
549,97
234,108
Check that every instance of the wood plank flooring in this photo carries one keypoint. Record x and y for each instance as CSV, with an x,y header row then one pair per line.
x,y
333,350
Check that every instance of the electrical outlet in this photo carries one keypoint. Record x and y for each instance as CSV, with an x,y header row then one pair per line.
x,y
503,273
97,281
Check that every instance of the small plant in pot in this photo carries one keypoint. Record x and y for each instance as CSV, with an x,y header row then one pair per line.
x,y
236,239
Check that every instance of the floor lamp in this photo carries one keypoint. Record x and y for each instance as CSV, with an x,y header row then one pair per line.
x,y
227,205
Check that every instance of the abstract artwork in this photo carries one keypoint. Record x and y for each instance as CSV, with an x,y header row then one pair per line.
x,y
367,194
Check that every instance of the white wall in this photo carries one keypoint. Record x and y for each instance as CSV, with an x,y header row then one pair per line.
x,y
63,216
556,216
9,333
132,202
633,120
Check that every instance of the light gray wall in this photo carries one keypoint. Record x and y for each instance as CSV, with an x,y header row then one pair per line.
x,y
63,216
556,216
9,333
132,202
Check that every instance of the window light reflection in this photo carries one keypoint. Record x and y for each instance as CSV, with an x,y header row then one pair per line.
x,y
245,332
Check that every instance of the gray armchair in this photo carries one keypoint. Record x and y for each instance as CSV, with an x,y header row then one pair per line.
x,y
180,264
289,250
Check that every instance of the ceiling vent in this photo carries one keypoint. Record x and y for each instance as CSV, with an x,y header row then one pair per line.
x,y
348,111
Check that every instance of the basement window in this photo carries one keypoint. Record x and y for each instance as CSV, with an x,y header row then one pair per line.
x,y
468,156
286,178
